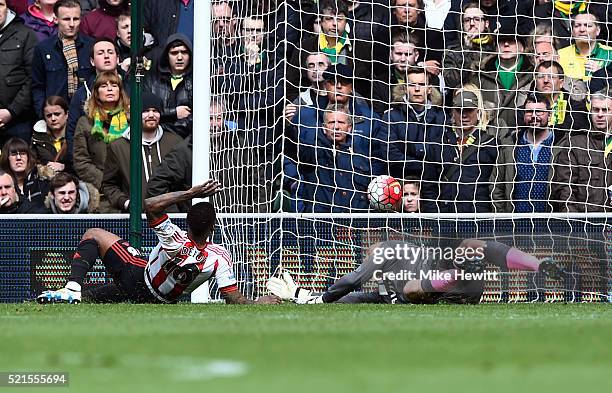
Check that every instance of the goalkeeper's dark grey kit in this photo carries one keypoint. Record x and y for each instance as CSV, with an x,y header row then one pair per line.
x,y
391,291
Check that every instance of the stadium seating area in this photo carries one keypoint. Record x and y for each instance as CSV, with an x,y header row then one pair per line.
x,y
474,106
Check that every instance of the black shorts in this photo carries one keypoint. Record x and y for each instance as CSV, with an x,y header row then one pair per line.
x,y
127,267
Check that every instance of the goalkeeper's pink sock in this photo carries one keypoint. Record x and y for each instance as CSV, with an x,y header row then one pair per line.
x,y
519,260
506,257
446,282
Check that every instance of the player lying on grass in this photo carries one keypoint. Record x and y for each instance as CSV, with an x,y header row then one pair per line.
x,y
180,262
413,278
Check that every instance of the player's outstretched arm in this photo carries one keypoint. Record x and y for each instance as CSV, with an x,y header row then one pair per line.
x,y
157,205
235,297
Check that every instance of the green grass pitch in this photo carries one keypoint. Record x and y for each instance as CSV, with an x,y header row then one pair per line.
x,y
324,348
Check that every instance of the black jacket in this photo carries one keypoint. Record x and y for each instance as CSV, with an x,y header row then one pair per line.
x,y
174,173
36,188
601,79
158,83
23,206
17,44
161,18
464,185
257,95
44,150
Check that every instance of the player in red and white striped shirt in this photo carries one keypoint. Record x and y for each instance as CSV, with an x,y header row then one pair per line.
x,y
179,263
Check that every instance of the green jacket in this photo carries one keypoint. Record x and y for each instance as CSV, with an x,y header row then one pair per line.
x,y
89,153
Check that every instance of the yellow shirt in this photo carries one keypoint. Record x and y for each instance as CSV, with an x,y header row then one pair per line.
x,y
574,63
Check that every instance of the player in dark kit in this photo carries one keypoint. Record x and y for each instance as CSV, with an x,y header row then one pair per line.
x,y
407,273
181,261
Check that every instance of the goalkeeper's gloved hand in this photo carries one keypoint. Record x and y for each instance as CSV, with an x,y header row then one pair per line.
x,y
310,299
287,289
278,286
300,295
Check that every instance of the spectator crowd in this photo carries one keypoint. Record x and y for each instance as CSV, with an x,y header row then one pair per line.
x,y
474,105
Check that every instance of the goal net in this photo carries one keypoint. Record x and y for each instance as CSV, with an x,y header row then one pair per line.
x,y
494,114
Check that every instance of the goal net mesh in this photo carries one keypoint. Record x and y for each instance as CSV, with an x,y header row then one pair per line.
x,y
496,108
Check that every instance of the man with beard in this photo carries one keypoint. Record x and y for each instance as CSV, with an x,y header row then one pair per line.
x,y
520,180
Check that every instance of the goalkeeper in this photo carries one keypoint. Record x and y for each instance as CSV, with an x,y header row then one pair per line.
x,y
406,275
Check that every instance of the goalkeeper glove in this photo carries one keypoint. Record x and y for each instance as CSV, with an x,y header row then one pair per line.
x,y
278,286
310,299
287,289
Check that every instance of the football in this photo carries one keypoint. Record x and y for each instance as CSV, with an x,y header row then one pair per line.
x,y
384,192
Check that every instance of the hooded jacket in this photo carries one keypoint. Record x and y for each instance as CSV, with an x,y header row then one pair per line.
x,y
102,22
158,83
88,200
116,179
35,20
17,44
174,173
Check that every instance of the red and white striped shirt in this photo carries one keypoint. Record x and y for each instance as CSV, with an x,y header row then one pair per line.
x,y
177,265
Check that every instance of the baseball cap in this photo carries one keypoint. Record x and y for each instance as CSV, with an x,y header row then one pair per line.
x,y
339,71
465,99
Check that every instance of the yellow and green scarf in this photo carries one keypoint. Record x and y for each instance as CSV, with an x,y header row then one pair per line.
x,y
112,129
571,8
333,52
608,146
558,110
483,40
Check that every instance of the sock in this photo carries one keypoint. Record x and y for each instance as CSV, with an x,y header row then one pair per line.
x,y
443,284
507,257
517,259
83,260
